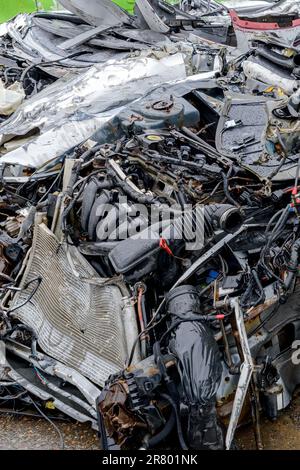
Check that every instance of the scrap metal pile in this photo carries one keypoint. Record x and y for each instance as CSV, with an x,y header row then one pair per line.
x,y
150,209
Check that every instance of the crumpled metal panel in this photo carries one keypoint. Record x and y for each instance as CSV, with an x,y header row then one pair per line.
x,y
38,40
257,8
54,142
76,322
94,94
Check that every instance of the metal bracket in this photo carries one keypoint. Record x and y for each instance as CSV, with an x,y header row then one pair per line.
x,y
247,370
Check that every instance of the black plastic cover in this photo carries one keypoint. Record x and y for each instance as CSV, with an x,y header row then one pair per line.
x,y
194,346
199,362
130,253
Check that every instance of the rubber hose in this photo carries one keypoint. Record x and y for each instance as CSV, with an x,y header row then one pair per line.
x,y
164,433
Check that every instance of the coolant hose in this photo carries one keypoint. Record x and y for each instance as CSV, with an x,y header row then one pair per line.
x,y
136,197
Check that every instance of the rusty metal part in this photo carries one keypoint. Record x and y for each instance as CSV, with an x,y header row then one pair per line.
x,y
121,425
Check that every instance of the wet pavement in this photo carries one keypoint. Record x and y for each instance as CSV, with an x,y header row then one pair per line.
x,y
284,434
25,433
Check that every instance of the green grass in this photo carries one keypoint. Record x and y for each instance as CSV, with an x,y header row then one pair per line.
x,y
126,4
10,8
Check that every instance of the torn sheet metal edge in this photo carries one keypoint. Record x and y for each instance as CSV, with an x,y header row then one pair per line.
x,y
246,36
247,369
143,35
23,31
110,42
46,369
67,374
56,368
151,17
263,7
83,37
259,26
97,12
63,28
52,143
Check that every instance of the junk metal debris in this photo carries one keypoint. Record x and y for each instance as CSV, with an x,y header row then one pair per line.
x,y
150,208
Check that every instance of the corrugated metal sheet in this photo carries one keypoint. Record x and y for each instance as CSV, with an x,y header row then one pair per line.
x,y
77,323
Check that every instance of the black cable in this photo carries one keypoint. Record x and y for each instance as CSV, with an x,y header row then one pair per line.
x,y
293,264
226,190
32,66
38,280
211,194
274,235
178,422
277,230
90,152
273,218
244,297
148,328
260,287
129,191
31,415
7,278
68,209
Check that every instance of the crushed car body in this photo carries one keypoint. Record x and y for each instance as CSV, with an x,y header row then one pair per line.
x,y
150,217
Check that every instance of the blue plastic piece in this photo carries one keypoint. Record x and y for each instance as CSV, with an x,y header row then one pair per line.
x,y
212,276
